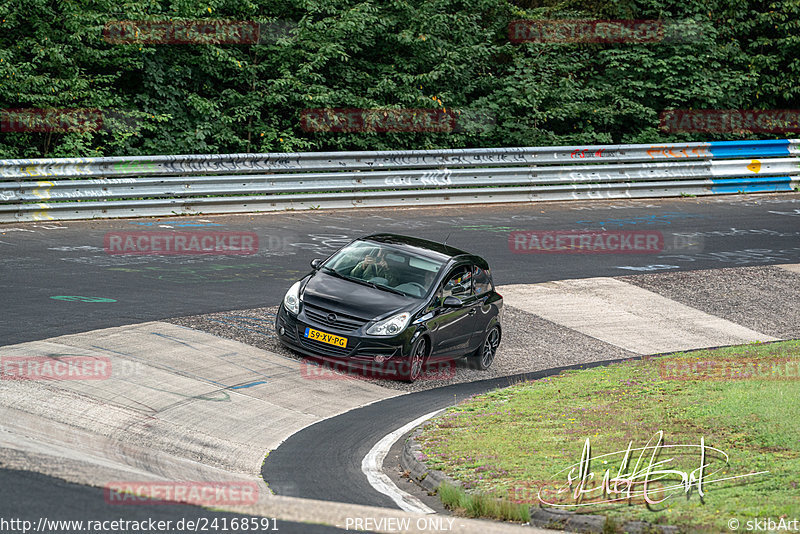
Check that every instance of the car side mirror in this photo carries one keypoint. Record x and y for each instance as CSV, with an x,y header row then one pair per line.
x,y
315,263
452,302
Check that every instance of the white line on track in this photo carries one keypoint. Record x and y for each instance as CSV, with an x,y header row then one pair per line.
x,y
372,466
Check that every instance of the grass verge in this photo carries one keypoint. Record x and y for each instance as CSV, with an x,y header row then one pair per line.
x,y
519,443
482,505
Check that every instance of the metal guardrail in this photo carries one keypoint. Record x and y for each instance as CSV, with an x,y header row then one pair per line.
x,y
74,188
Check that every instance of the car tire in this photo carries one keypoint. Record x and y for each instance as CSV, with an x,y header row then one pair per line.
x,y
412,367
483,356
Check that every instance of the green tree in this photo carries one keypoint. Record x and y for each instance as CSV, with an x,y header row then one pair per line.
x,y
397,54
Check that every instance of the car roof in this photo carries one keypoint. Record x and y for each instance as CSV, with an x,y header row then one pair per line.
x,y
417,245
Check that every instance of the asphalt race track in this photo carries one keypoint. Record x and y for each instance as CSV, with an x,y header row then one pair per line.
x,y
42,260
300,467
32,497
321,458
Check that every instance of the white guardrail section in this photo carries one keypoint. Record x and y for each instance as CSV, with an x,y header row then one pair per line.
x,y
75,188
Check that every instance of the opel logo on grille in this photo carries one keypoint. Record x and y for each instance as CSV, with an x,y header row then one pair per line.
x,y
331,317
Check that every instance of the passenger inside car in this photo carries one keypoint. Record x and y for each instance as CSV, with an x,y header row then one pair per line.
x,y
408,274
374,265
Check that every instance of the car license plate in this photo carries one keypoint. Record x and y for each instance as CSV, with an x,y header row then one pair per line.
x,y
330,339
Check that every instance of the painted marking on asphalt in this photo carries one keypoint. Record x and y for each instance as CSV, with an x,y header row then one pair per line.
x,y
78,298
251,384
627,316
175,339
656,267
372,466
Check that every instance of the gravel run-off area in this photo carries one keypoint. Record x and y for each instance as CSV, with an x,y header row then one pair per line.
x,y
763,298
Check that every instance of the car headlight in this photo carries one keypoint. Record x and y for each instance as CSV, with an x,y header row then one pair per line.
x,y
391,326
291,301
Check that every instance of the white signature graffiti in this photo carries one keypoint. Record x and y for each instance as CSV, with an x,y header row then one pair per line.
x,y
324,243
436,177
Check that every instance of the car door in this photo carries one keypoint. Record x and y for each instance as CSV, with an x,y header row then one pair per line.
x,y
451,328
484,311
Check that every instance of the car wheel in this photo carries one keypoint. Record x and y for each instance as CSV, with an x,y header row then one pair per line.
x,y
413,366
483,356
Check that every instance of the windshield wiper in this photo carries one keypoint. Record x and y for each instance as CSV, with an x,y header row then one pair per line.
x,y
387,288
360,281
337,274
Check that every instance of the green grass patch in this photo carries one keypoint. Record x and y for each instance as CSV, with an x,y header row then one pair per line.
x,y
482,505
511,443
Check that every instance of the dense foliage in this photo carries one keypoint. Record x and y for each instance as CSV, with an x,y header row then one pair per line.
x,y
443,54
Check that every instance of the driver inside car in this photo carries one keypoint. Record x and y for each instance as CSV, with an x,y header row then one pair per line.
x,y
374,266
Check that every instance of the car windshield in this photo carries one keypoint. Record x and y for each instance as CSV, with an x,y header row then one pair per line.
x,y
385,267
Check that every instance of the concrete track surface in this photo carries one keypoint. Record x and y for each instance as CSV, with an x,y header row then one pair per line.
x,y
171,403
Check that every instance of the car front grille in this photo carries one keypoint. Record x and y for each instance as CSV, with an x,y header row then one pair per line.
x,y
342,322
323,348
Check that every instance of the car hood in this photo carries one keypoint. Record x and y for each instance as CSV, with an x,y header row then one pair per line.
x,y
352,298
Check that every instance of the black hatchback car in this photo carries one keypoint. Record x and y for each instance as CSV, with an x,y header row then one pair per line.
x,y
394,303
